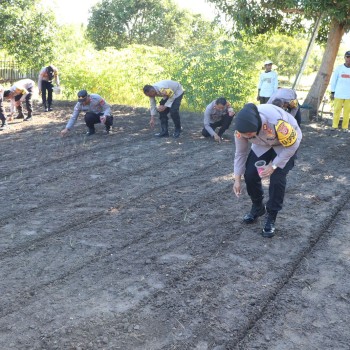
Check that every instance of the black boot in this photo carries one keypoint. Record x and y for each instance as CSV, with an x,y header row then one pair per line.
x,y
109,123
29,117
258,209
90,132
269,226
20,115
177,132
164,129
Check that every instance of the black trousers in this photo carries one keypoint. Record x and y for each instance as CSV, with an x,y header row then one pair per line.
x,y
297,116
94,118
2,112
46,89
28,101
278,181
174,112
224,122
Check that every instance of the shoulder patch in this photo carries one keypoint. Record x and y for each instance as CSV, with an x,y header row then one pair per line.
x,y
166,92
286,133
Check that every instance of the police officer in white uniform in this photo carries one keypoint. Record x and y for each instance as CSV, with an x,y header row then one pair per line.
x,y
171,93
275,137
97,111
287,100
19,92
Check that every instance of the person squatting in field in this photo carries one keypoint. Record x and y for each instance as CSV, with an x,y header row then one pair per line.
x,y
97,111
46,76
287,100
218,113
275,137
20,91
171,93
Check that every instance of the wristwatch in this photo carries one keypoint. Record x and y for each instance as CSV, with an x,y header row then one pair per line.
x,y
274,167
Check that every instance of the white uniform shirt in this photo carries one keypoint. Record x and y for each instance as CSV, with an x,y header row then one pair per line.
x,y
266,139
340,82
268,83
162,87
96,105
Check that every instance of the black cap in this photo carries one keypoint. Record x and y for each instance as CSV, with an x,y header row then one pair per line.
x,y
347,53
82,95
248,119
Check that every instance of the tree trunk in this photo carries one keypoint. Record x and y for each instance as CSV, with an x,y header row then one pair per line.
x,y
319,86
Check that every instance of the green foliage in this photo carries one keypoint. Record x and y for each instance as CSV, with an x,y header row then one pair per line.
x,y
224,68
29,32
257,17
118,76
117,23
286,52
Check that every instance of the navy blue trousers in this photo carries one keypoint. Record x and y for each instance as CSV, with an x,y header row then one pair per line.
x,y
278,181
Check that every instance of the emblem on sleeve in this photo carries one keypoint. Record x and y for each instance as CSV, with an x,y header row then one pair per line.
x,y
166,92
286,134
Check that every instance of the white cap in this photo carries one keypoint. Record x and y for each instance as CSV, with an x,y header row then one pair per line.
x,y
267,62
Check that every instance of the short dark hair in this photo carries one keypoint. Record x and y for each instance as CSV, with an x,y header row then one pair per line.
x,y
221,101
278,102
7,92
147,89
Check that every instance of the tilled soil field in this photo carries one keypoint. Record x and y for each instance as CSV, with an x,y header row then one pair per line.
x,y
130,242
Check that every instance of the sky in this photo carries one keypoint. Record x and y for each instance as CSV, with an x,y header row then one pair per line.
x,y
76,11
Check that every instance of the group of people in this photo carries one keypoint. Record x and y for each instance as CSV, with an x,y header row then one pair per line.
x,y
272,128
22,91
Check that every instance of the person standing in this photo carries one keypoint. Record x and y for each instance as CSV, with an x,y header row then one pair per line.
x,y
268,83
218,113
171,93
20,91
2,109
97,111
46,76
340,93
275,137
287,100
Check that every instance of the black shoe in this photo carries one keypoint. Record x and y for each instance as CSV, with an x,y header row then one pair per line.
x,y
163,133
255,212
177,133
108,131
269,227
20,116
90,132
49,109
28,118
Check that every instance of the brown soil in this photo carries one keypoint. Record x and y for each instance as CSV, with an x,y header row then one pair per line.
x,y
130,242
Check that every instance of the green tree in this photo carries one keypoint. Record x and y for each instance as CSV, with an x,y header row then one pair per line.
x,y
223,68
257,17
28,32
118,23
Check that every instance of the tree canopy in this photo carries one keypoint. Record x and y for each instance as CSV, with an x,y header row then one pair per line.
x,y
256,17
118,23
29,31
